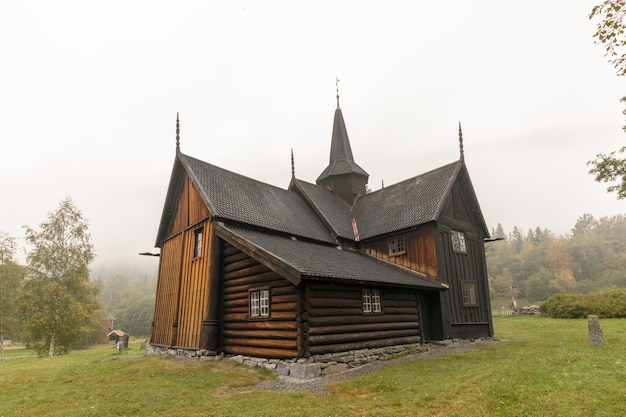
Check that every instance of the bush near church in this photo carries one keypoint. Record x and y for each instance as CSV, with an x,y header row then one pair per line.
x,y
609,303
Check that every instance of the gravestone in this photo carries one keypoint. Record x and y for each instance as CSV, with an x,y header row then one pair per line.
x,y
595,332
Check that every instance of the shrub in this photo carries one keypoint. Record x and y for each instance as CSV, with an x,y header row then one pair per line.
x,y
605,304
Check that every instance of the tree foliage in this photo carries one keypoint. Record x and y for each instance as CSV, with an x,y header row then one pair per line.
x,y
57,302
591,258
10,276
610,31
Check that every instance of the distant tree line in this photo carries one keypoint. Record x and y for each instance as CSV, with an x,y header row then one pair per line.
x,y
533,265
51,303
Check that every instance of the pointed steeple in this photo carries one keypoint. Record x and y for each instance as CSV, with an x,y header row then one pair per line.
x,y
177,133
342,175
462,156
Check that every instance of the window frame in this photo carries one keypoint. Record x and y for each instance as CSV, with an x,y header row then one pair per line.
x,y
396,246
371,301
459,242
469,293
259,306
198,236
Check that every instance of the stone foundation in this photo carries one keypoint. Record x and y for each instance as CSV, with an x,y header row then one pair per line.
x,y
306,368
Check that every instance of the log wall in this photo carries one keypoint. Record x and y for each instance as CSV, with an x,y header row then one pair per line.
x,y
420,254
276,336
335,322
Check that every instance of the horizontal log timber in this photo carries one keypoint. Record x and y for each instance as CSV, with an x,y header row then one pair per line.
x,y
283,307
400,310
264,276
335,302
265,343
329,339
354,293
344,347
399,296
261,352
333,287
240,265
260,334
235,257
274,325
363,327
325,312
254,283
362,319
229,250
280,315
246,272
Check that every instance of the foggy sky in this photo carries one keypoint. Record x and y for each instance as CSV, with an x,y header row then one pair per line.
x,y
90,90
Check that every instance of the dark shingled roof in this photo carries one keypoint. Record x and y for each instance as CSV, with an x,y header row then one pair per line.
x,y
237,198
406,204
334,210
316,261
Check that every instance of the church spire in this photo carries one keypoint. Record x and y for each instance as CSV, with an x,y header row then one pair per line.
x,y
177,133
342,175
461,141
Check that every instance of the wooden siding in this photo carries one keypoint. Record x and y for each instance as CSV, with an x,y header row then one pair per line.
x,y
190,209
182,294
459,267
277,335
335,321
420,254
166,299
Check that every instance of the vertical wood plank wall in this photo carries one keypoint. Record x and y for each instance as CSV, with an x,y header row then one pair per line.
x,y
182,286
336,322
420,252
460,267
167,292
276,336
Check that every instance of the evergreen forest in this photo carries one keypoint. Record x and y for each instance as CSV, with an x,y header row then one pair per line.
x,y
528,267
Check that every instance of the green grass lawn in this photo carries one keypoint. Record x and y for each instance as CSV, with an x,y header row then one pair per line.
x,y
543,367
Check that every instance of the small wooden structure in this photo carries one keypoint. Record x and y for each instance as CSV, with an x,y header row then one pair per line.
x,y
249,268
118,336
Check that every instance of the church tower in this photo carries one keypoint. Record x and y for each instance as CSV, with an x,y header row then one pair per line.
x,y
342,176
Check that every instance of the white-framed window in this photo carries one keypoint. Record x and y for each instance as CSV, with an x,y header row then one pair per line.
x,y
259,303
396,245
458,241
197,245
468,293
371,301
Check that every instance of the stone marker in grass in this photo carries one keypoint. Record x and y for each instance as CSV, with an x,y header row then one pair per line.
x,y
595,332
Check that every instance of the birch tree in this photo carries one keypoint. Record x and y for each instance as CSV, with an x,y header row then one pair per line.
x,y
58,301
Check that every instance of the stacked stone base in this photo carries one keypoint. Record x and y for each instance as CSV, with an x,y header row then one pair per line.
x,y
302,368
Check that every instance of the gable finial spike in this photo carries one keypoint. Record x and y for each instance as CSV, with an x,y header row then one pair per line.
x,y
382,183
461,141
293,166
177,133
337,88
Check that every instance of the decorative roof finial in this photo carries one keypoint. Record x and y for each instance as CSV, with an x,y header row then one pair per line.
x,y
337,87
382,183
177,133
293,166
461,140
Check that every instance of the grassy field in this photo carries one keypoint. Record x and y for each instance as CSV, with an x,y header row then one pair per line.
x,y
542,367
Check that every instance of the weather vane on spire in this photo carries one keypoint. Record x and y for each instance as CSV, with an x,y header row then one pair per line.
x,y
337,87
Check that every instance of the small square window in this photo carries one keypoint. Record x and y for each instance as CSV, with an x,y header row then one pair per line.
x,y
468,293
458,241
396,245
371,301
260,303
197,246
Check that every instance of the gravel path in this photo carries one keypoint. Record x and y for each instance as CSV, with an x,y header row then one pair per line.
x,y
318,385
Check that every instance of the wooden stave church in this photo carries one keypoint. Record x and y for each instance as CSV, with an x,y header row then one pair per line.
x,y
249,268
